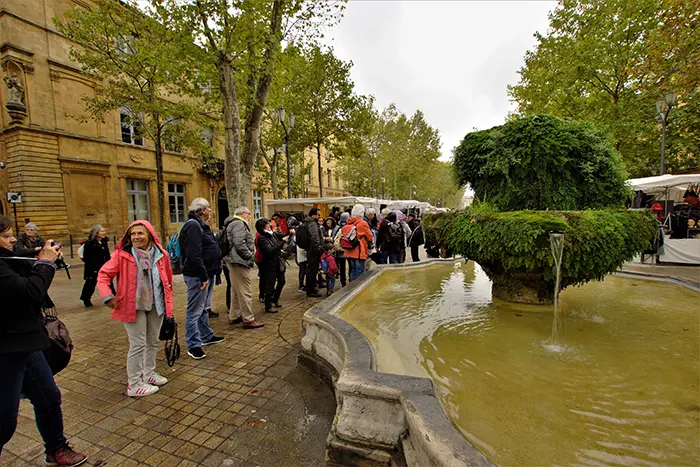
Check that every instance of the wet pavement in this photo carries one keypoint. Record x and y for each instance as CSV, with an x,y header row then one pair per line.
x,y
246,404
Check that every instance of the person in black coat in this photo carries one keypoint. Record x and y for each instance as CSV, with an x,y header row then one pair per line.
x,y
417,237
95,254
24,284
273,266
313,252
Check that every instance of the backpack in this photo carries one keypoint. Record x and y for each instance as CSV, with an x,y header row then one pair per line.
x,y
348,238
174,252
222,240
302,234
290,250
395,232
81,251
329,265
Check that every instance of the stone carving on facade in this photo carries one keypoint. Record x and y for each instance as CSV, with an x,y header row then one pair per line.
x,y
137,158
28,68
15,98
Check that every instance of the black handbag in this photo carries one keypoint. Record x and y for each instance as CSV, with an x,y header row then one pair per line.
x,y
59,353
167,329
168,333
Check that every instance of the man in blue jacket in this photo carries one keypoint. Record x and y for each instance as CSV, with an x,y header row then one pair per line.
x,y
201,258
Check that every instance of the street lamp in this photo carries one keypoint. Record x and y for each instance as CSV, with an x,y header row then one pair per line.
x,y
287,128
663,107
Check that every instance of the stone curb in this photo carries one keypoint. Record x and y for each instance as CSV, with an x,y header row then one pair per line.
x,y
658,277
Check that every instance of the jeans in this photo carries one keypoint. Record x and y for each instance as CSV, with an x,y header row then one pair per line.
x,y
392,256
357,268
342,263
143,345
197,328
414,253
330,284
28,374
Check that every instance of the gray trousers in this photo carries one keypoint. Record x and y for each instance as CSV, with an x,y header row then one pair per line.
x,y
143,345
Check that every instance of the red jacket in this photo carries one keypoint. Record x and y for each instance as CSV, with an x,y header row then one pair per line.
x,y
364,235
122,265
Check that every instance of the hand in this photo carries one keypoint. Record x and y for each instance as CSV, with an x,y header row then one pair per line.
x,y
285,239
204,285
112,303
292,231
50,253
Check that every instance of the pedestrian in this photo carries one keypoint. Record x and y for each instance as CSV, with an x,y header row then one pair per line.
x,y
95,254
144,295
29,243
328,227
25,372
313,252
357,256
339,251
201,258
417,237
272,266
239,262
401,219
329,266
258,263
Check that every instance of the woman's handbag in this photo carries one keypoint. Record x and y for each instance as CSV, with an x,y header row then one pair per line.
x,y
168,333
59,353
167,329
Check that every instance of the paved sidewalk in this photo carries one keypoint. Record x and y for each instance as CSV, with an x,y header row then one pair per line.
x,y
246,404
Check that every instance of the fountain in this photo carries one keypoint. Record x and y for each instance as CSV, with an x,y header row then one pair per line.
x,y
556,241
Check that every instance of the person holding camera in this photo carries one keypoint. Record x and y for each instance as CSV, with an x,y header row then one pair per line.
x,y
25,372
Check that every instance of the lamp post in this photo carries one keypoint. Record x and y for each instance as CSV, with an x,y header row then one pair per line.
x,y
287,128
663,107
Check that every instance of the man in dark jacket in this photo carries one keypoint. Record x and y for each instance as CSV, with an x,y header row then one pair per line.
x,y
24,285
201,258
390,238
417,237
272,266
313,252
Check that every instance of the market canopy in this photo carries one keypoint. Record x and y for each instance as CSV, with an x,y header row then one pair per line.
x,y
662,182
342,200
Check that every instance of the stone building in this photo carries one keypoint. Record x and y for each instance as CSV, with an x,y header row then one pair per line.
x,y
74,172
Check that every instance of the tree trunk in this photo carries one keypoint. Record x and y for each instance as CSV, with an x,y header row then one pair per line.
x,y
162,225
236,196
273,176
320,171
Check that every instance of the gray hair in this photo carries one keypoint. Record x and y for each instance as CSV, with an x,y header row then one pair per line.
x,y
358,210
385,212
31,225
370,211
93,232
241,210
198,205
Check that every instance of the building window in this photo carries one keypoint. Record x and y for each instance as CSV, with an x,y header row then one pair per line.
x,y
176,201
257,204
131,128
137,197
330,178
311,175
337,181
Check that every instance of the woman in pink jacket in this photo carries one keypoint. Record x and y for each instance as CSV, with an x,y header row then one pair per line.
x,y
144,294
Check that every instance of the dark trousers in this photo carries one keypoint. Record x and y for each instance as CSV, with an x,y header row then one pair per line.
x,y
342,269
227,276
414,253
28,374
88,289
273,283
313,261
391,256
261,283
302,274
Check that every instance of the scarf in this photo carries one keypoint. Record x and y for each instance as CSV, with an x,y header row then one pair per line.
x,y
144,278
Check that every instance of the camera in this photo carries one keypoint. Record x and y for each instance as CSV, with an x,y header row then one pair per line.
x,y
2,164
60,263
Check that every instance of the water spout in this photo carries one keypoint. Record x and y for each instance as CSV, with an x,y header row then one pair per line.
x,y
556,241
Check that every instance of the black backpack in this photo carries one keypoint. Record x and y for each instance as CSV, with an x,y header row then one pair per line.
x,y
302,236
395,232
222,240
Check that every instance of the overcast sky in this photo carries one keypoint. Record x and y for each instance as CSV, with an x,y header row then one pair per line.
x,y
451,59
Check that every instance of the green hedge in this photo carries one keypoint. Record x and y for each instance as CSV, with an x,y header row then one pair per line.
x,y
507,243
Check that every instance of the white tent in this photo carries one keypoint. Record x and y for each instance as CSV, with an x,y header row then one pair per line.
x,y
675,184
304,204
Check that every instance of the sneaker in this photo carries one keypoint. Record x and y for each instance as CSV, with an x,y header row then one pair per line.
x,y
196,353
276,305
213,314
141,389
66,456
301,289
261,299
214,340
238,320
253,324
156,379
87,303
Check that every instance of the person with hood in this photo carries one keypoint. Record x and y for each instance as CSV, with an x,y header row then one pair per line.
x,y
390,239
201,258
417,237
95,254
272,266
357,256
144,296
339,251
24,286
328,227
401,219
239,262
313,252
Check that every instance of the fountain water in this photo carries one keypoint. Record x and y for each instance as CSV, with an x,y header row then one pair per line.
x,y
556,241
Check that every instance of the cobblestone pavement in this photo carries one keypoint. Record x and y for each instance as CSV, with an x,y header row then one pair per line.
x,y
246,404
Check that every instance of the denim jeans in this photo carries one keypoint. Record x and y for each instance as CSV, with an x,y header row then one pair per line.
x,y
357,268
28,374
197,328
392,256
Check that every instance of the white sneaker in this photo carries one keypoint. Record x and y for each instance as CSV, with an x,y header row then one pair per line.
x,y
141,389
156,379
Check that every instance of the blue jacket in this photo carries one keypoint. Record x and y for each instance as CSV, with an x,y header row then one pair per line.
x,y
201,256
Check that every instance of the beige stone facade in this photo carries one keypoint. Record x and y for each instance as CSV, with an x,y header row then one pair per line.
x,y
74,172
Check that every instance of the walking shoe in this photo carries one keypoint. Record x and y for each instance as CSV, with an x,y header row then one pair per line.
x,y
301,289
277,305
261,299
66,456
156,379
238,320
196,353
270,310
141,389
88,303
214,340
253,324
313,295
213,314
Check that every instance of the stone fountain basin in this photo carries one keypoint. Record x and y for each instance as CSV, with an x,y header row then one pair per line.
x,y
381,418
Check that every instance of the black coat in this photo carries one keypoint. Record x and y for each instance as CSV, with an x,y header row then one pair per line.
x,y
315,238
23,288
271,248
25,246
201,255
95,254
417,235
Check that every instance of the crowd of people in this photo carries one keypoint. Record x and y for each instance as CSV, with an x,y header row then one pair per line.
x,y
136,282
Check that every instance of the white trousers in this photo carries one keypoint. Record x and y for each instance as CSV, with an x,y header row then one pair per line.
x,y
143,345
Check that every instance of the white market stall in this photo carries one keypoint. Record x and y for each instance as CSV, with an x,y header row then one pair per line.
x,y
672,187
297,205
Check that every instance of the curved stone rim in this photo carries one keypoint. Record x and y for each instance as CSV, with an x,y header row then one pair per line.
x,y
380,415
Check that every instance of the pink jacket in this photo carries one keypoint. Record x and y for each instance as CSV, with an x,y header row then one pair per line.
x,y
123,267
